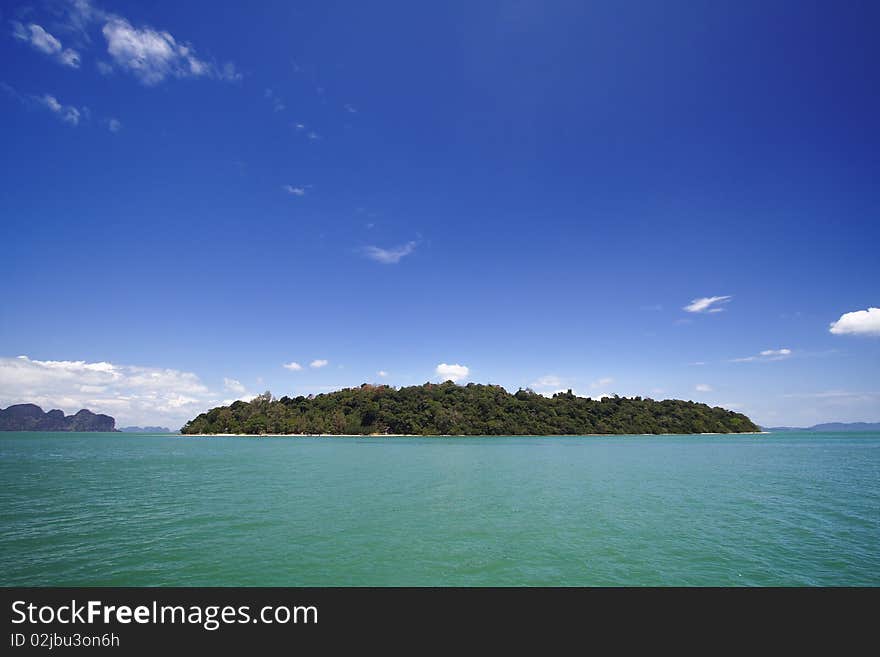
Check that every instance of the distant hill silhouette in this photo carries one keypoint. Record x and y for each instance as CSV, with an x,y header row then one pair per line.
x,y
832,426
30,417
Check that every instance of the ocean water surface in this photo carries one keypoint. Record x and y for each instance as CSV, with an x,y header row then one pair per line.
x,y
132,510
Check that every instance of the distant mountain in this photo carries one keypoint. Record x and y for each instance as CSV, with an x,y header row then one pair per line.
x,y
145,430
832,426
30,417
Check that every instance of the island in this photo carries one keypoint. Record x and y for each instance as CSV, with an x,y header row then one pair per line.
x,y
30,417
435,409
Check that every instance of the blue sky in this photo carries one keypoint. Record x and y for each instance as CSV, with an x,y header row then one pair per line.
x,y
193,196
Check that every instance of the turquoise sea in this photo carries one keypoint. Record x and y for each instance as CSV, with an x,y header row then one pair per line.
x,y
126,509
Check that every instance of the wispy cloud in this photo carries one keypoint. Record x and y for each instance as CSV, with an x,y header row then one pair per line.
x,y
41,40
835,394
294,191
454,372
707,304
858,322
546,381
277,104
703,387
350,109
67,113
319,362
233,385
389,256
114,125
766,355
293,366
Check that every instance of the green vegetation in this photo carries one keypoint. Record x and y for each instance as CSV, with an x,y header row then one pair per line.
x,y
438,409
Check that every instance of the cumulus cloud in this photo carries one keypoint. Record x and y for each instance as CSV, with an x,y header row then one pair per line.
x,y
382,373
39,39
453,372
292,366
858,322
389,256
703,387
132,394
707,304
318,362
767,354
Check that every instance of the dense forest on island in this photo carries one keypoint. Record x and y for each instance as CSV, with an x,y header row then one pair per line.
x,y
474,409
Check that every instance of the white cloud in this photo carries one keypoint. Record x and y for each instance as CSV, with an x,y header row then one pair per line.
x,y
152,55
233,385
314,136
766,355
858,322
547,381
39,38
389,256
69,58
46,43
601,383
149,55
707,304
350,109
453,372
318,362
67,113
132,394
296,191
293,366
593,395
703,387
382,373
114,125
